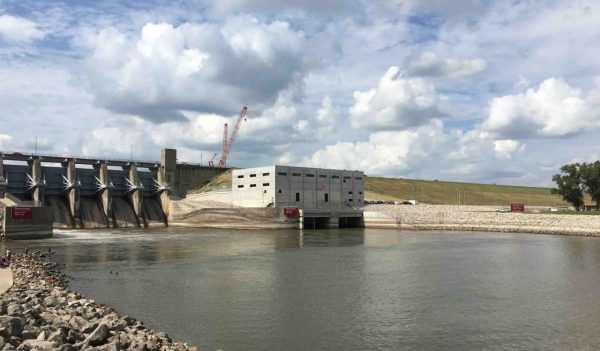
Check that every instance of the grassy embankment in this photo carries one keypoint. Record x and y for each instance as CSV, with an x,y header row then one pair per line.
x,y
220,181
435,192
448,193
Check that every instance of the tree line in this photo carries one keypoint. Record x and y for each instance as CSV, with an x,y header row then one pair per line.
x,y
576,179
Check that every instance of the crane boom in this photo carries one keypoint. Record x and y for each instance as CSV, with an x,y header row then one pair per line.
x,y
225,134
232,138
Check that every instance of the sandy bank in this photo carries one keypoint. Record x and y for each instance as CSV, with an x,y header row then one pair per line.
x,y
6,279
485,218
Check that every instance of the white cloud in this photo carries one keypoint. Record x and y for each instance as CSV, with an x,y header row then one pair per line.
x,y
428,151
38,100
507,147
4,140
467,145
285,158
222,8
327,117
455,9
555,109
397,102
196,67
385,152
429,64
19,29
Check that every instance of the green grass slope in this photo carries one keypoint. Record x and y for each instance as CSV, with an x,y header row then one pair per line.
x,y
218,182
434,192
448,193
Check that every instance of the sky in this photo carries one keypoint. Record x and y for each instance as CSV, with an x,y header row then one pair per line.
x,y
483,91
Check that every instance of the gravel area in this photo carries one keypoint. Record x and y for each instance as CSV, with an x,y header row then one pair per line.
x,y
485,218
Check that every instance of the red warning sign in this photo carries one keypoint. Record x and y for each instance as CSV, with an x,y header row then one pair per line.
x,y
517,207
22,213
291,211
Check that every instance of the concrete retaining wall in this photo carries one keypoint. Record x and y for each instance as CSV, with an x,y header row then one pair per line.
x,y
373,219
191,176
242,218
33,225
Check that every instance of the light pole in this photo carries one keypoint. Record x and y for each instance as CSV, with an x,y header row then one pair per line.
x,y
422,197
130,152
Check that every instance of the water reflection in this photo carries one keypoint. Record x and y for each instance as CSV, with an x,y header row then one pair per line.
x,y
343,289
163,245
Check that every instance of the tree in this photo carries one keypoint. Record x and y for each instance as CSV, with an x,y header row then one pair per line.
x,y
590,178
569,184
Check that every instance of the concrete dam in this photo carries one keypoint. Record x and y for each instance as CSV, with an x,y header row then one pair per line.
x,y
99,193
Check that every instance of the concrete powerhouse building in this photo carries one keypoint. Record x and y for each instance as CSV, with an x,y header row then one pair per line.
x,y
320,194
306,188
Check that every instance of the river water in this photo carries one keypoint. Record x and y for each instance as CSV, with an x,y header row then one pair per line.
x,y
347,289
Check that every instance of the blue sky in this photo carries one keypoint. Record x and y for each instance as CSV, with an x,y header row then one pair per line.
x,y
492,91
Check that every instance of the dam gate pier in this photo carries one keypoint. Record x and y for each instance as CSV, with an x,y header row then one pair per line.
x,y
88,192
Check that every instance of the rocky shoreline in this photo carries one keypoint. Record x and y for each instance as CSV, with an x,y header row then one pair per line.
x,y
39,312
486,218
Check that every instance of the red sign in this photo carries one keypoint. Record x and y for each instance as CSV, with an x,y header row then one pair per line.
x,y
22,213
517,207
291,211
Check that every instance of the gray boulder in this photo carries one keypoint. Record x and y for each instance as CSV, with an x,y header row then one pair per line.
x,y
14,309
50,301
30,332
40,345
98,336
78,323
10,326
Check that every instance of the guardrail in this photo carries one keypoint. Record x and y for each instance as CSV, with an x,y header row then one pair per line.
x,y
18,156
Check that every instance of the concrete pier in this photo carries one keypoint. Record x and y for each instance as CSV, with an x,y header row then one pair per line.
x,y
3,182
72,188
136,196
166,176
37,183
105,191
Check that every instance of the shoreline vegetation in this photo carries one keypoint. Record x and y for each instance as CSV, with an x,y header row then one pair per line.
x,y
486,219
40,312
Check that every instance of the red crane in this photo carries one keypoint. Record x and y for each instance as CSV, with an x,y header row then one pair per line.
x,y
227,144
